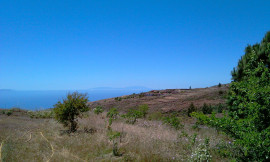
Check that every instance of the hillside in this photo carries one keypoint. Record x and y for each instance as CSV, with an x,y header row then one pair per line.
x,y
167,100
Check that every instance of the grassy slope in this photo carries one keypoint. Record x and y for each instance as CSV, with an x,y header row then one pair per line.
x,y
167,100
26,139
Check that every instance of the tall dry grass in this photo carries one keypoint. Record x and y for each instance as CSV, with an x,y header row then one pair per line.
x,y
46,140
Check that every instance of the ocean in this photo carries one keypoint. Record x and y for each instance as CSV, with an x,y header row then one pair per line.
x,y
39,100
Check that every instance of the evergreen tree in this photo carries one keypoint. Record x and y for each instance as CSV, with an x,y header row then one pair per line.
x,y
259,52
248,117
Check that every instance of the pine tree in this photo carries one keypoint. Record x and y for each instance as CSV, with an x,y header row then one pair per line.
x,y
259,52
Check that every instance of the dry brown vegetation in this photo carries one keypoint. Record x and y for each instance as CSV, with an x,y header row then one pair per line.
x,y
167,100
26,139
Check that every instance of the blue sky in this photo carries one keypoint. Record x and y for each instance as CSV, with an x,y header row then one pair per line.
x,y
80,44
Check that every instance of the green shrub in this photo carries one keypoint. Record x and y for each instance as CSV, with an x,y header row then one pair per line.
x,y
191,109
144,109
219,84
247,119
98,110
118,98
207,109
219,108
227,149
132,115
114,136
113,113
141,95
130,96
70,108
41,114
9,112
173,121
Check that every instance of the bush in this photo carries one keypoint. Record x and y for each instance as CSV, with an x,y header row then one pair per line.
x,y
227,149
132,115
141,95
113,113
248,117
219,108
41,114
173,121
67,111
144,109
207,109
98,110
118,98
191,109
247,120
9,112
219,84
114,136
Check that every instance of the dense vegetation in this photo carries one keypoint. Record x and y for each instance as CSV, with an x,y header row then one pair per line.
x,y
248,116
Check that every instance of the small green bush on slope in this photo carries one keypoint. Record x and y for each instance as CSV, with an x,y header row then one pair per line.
x,y
191,109
67,111
133,114
173,121
98,110
41,114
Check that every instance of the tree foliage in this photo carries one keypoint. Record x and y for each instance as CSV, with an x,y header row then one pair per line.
x,y
144,109
70,108
173,121
133,114
248,116
191,109
207,109
257,53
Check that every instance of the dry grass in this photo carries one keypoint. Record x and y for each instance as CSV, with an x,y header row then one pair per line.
x,y
46,140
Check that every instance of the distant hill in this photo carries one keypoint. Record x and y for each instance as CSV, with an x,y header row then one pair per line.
x,y
6,89
167,100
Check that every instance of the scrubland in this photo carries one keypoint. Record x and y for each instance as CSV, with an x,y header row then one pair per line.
x,y
43,139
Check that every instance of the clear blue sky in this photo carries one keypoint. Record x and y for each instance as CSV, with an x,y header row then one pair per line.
x,y
80,44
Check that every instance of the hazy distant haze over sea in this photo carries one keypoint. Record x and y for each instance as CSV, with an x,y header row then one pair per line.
x,y
38,99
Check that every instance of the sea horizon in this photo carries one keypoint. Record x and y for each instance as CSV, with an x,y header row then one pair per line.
x,y
45,99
